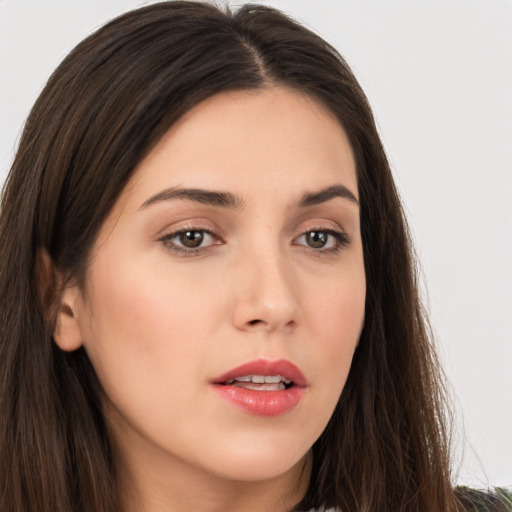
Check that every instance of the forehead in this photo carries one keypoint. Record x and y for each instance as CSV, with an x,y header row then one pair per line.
x,y
274,137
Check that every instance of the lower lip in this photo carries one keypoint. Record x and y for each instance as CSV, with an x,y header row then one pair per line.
x,y
261,403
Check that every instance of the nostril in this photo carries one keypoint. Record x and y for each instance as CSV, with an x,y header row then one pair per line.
x,y
255,322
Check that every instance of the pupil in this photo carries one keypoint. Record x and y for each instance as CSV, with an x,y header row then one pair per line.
x,y
317,239
191,239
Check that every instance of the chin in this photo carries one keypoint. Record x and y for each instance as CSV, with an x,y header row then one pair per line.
x,y
251,470
257,459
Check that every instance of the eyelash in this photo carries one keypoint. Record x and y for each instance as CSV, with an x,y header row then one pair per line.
x,y
341,240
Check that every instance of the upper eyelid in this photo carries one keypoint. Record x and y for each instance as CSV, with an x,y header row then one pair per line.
x,y
199,225
336,233
182,226
174,233
166,233
320,225
179,231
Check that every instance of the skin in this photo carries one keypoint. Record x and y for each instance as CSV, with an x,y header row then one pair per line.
x,y
159,324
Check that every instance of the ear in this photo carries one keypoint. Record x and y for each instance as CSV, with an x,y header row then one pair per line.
x,y
67,333
58,309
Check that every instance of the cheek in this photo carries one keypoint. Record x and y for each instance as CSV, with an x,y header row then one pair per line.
x,y
142,306
336,316
145,341
142,325
337,310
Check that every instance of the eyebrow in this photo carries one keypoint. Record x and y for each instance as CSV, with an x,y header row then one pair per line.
x,y
326,194
231,201
209,197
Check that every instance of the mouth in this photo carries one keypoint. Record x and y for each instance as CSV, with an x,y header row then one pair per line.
x,y
261,382
279,374
262,387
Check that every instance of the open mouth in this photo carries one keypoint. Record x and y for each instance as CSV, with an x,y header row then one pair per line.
x,y
263,375
261,382
262,387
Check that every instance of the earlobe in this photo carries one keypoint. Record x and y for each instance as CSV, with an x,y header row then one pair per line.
x,y
67,333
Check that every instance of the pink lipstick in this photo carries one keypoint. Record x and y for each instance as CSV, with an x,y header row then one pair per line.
x,y
262,387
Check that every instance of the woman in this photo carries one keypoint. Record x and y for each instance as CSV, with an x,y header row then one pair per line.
x,y
209,300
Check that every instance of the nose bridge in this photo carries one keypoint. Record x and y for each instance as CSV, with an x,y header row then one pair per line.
x,y
267,296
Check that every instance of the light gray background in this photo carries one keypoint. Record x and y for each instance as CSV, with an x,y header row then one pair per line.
x,y
439,76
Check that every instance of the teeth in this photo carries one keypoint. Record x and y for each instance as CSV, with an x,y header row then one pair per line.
x,y
246,378
261,379
278,386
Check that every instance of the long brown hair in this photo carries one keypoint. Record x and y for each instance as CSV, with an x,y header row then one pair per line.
x,y
386,446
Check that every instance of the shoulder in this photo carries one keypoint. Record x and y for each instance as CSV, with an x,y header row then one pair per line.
x,y
491,500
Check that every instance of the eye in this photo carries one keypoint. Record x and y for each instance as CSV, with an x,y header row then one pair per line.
x,y
323,239
189,240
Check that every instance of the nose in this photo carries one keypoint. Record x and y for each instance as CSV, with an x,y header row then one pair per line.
x,y
266,295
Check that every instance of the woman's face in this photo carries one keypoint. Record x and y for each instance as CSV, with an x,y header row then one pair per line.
x,y
233,254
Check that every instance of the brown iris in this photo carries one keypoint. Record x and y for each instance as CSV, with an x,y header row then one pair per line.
x,y
191,239
316,239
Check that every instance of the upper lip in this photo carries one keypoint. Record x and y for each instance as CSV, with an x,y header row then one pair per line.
x,y
265,367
